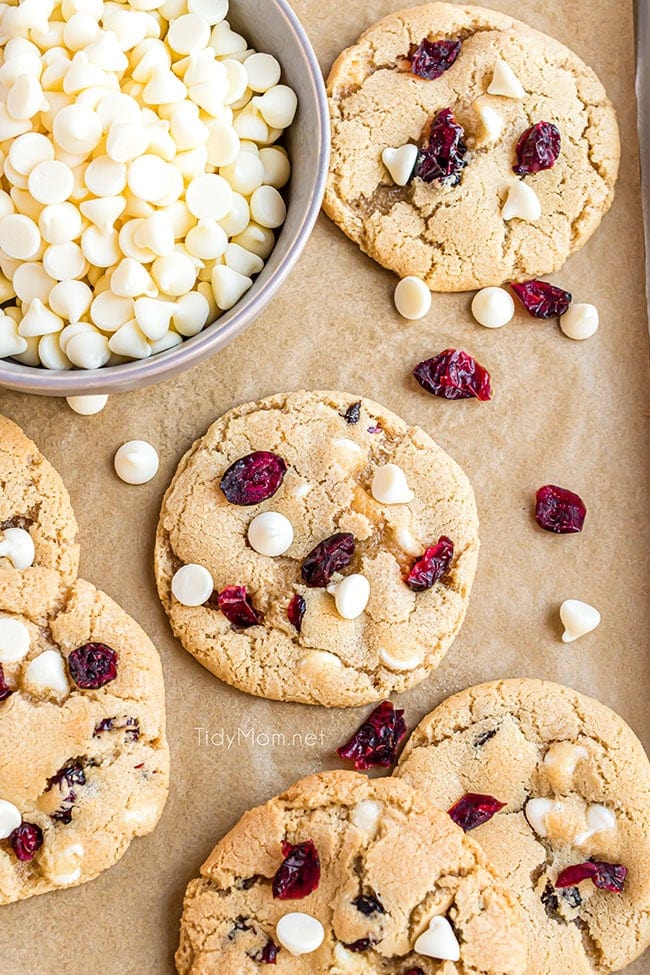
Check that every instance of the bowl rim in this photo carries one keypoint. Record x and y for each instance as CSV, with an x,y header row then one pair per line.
x,y
144,372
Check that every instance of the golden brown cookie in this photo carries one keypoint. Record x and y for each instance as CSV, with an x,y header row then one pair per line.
x,y
452,231
335,618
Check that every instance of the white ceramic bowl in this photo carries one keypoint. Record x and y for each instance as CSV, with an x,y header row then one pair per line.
x,y
271,26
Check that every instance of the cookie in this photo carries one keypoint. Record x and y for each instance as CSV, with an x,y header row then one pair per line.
x,y
348,874
38,530
83,756
332,596
576,786
465,218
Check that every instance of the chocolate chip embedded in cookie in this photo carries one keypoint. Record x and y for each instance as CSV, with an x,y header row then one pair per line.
x,y
343,873
467,148
314,547
84,760
556,789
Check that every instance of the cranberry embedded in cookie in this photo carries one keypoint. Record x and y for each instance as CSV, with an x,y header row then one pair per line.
x,y
431,59
538,148
253,478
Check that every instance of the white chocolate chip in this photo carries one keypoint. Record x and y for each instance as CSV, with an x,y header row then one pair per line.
x,y
580,322
564,756
522,203
491,120
14,640
578,619
389,485
438,941
66,866
493,307
136,462
505,82
270,533
86,405
46,673
299,933
17,545
408,542
351,595
400,163
397,663
192,585
365,816
599,818
537,812
10,818
412,298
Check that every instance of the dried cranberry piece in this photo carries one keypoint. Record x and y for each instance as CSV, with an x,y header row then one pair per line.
x,y
431,566
442,153
235,604
296,611
253,478
538,148
432,58
560,511
353,413
474,809
130,727
454,374
605,876
377,740
26,840
329,556
363,944
269,953
368,904
5,690
71,775
92,666
299,873
541,299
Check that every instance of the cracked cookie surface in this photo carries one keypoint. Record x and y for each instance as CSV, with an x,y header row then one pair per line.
x,y
377,839
519,740
34,499
86,766
326,489
454,237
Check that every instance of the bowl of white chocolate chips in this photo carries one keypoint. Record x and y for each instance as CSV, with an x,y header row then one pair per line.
x,y
163,164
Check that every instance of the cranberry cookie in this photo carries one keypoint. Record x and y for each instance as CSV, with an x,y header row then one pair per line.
x,y
467,148
83,755
314,547
556,788
348,874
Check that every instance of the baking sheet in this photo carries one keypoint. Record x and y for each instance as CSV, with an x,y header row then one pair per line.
x,y
563,412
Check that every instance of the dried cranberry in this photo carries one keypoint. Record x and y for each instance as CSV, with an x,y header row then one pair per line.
x,y
72,774
130,727
432,58
368,904
329,556
26,840
269,953
560,511
453,374
442,153
353,413
235,604
296,611
474,809
570,897
375,429
299,873
431,566
93,666
377,740
538,148
253,478
363,944
605,876
5,690
541,299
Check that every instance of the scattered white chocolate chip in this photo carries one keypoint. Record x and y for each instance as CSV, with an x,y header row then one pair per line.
x,y
438,941
141,816
192,585
351,595
412,298
17,545
599,818
344,443
320,660
491,121
47,673
580,322
564,757
66,865
136,462
408,542
578,619
10,818
86,405
389,485
299,933
537,812
302,490
14,640
493,307
365,816
270,533
398,663
505,82
522,203
400,163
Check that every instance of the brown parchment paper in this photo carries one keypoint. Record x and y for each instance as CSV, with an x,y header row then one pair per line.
x,y
563,412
